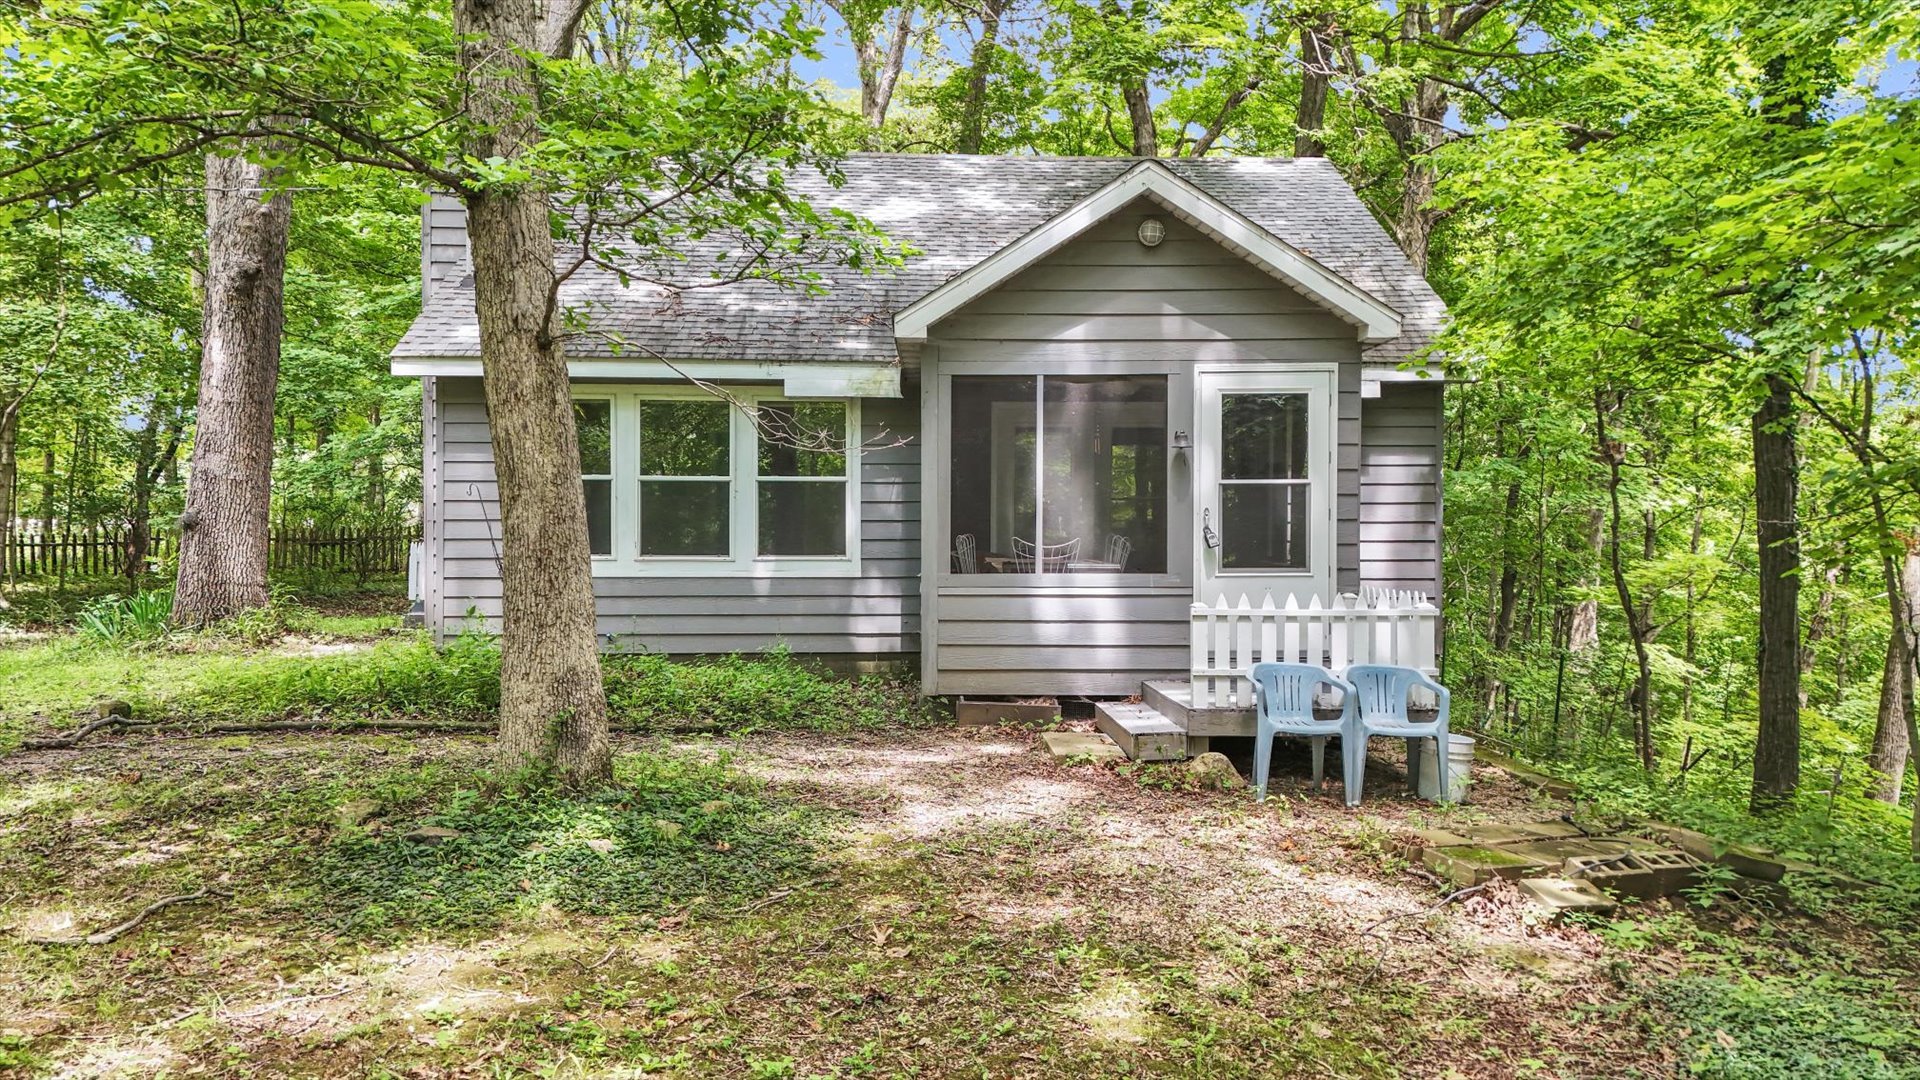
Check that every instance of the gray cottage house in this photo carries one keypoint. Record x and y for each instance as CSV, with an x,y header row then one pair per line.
x,y
1120,427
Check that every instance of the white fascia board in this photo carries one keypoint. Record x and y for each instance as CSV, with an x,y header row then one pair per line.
x,y
1374,319
1372,378
824,380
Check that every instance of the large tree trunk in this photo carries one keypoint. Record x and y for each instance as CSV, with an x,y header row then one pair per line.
x,y
1146,134
880,72
1583,623
973,107
9,474
1316,68
1776,472
223,535
553,710
1888,758
1890,743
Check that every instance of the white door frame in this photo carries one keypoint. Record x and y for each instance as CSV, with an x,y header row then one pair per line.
x,y
1318,382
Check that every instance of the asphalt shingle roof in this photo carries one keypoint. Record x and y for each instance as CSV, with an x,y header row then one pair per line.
x,y
956,210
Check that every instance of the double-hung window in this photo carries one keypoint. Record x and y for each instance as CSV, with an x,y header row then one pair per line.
x,y
679,481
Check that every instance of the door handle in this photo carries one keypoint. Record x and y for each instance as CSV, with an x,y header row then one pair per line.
x,y
1207,535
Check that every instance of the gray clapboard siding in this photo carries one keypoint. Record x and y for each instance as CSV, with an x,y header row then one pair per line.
x,y
1104,302
875,615
443,240
1400,488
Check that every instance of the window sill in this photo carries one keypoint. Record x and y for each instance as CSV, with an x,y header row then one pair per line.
x,y
726,568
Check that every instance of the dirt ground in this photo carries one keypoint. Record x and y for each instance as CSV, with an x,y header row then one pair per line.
x,y
977,910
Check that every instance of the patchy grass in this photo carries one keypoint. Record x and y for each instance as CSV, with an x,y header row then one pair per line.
x,y
894,903
672,831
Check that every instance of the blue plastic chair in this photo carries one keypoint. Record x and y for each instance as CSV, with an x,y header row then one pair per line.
x,y
1382,691
1283,705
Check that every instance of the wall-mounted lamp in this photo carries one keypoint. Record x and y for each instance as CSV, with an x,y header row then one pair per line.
x,y
1151,232
1181,441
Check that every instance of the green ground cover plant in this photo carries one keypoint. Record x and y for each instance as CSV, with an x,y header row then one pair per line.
x,y
219,679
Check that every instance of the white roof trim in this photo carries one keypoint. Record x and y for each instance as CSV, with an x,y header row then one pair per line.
x,y
1371,378
839,379
1373,318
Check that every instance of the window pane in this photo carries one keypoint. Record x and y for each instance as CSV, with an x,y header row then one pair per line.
x,y
803,439
1105,485
594,421
803,517
599,516
684,517
1263,526
1263,437
995,428
684,438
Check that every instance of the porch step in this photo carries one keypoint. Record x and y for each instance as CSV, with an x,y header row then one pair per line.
x,y
1173,699
1141,731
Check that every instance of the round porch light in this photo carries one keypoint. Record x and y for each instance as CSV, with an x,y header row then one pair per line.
x,y
1152,232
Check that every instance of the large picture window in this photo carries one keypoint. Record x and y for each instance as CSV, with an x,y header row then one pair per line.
x,y
1059,474
679,481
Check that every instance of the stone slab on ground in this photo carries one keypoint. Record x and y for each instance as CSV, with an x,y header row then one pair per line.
x,y
1080,746
1518,833
1558,852
1473,865
1421,839
1647,875
1562,895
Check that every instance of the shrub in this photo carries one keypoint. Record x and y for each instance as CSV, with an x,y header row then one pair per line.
x,y
126,620
768,691
398,677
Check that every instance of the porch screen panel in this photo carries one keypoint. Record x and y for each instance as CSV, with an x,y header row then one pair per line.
x,y
593,420
1264,482
1060,473
1104,485
686,479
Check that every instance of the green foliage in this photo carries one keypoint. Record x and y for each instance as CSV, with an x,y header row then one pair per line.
x,y
223,677
139,619
1763,1028
768,691
672,830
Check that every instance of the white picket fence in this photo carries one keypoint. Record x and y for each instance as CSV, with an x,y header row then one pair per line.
x,y
1376,627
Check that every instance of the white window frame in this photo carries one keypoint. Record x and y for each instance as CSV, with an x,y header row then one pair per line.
x,y
743,492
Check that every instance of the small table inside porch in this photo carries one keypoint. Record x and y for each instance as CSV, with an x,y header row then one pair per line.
x,y
1004,564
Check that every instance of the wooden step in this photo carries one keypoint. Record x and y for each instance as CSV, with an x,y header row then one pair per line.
x,y
1141,731
1173,698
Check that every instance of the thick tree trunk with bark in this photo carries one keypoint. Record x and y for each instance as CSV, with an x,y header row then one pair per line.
x,y
973,107
1891,747
553,710
1146,134
9,473
1776,472
1583,623
1316,68
223,533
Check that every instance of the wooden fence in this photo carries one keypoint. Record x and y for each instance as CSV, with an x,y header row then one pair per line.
x,y
1378,627
103,551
